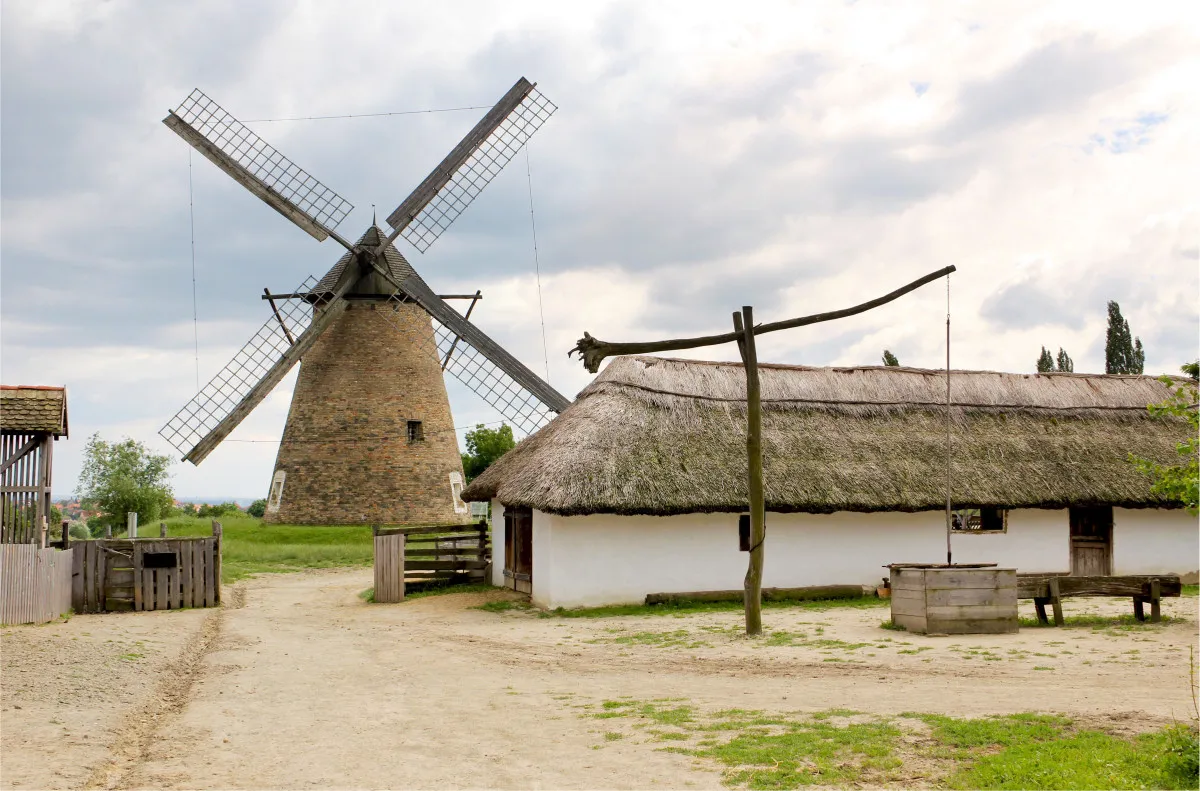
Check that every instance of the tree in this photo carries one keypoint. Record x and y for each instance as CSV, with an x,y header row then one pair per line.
x,y
257,509
1123,354
207,511
1045,363
484,446
1064,363
1180,482
120,477
889,358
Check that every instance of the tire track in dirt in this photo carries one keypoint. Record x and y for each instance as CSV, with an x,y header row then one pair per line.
x,y
135,734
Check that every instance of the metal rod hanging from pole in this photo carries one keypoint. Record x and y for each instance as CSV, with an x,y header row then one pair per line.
x,y
949,557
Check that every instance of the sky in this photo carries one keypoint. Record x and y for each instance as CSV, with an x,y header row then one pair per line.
x,y
796,157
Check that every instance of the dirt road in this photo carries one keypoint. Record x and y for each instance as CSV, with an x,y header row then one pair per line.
x,y
300,684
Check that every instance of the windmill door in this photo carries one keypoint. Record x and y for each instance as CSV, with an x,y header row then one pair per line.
x,y
1091,541
518,549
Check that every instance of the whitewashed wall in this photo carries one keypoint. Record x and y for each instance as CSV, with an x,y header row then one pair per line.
x,y
1152,541
1037,541
588,561
497,543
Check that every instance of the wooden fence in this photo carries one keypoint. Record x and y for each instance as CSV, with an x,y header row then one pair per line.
x,y
35,583
406,556
147,573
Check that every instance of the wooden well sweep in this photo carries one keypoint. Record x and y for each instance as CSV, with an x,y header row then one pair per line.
x,y
940,599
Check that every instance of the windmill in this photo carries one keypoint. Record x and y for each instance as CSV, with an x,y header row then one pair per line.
x,y
369,436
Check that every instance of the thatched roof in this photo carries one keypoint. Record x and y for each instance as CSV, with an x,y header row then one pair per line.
x,y
32,409
663,436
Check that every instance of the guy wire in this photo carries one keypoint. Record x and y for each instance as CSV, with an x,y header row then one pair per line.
x,y
192,231
949,556
536,266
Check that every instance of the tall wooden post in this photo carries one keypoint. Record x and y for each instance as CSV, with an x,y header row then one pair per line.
x,y
131,524
744,323
66,534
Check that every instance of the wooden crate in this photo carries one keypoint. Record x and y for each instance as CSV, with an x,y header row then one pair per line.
x,y
950,600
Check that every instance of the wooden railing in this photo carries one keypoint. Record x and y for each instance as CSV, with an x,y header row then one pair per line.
x,y
429,554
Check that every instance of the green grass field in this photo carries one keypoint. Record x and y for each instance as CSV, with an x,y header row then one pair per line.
x,y
251,547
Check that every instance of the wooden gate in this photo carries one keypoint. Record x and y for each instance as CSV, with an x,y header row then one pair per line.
x,y
35,583
518,549
434,554
147,573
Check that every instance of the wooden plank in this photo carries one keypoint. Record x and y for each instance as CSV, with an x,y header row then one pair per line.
x,y
912,623
185,567
139,601
98,567
1056,601
972,626
969,612
1155,598
1031,586
429,552
218,540
980,578
162,586
120,577
198,552
445,565
917,596
941,597
77,600
907,579
423,533
210,581
907,607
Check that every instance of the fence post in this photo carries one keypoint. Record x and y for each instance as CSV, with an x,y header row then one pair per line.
x,y
131,524
42,530
162,529
108,531
217,531
66,538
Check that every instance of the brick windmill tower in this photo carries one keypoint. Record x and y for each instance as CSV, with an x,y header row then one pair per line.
x,y
369,436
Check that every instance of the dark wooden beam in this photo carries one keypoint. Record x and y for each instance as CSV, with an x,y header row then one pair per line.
x,y
287,333
593,350
478,296
399,219
416,289
21,453
257,186
273,376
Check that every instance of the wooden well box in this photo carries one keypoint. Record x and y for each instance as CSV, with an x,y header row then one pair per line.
x,y
939,599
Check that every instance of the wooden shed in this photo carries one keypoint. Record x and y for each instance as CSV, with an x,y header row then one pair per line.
x,y
31,419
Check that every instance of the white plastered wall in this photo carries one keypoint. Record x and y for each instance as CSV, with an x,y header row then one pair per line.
x,y
1036,541
497,543
586,561
1155,541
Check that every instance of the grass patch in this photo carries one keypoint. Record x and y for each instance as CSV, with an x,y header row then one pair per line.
x,y
684,607
890,624
251,547
504,605
840,747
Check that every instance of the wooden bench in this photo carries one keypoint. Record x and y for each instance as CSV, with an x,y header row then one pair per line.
x,y
1052,589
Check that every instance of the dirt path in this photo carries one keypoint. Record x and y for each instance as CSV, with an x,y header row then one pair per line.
x,y
307,686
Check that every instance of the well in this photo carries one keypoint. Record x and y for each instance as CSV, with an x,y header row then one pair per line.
x,y
965,599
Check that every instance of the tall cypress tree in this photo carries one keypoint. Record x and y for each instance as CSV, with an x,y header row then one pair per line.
x,y
1045,363
1123,353
889,359
1065,363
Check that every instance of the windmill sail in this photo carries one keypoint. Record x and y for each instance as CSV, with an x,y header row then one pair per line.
x,y
473,163
259,167
249,377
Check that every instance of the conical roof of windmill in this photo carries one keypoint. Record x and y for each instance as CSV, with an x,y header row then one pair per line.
x,y
370,283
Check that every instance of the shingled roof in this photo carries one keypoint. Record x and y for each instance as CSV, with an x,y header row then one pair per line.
x,y
400,268
27,409
662,436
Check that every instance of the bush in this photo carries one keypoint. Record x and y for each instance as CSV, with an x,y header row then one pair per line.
x,y
79,530
257,509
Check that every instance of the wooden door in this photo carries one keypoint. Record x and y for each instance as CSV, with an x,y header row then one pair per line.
x,y
518,549
1091,541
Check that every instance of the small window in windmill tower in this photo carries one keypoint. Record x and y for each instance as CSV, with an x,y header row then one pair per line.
x,y
979,520
416,432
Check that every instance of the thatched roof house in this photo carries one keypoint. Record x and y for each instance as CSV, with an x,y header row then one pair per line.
x,y
667,436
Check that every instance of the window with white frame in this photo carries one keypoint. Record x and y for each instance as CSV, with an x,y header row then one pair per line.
x,y
276,495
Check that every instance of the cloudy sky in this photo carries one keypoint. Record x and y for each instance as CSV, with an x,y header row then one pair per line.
x,y
794,157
